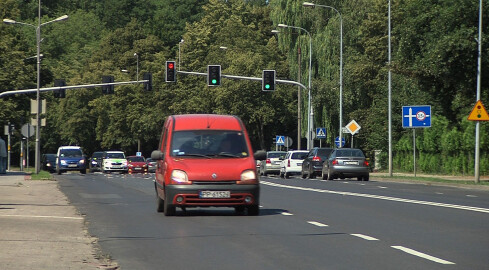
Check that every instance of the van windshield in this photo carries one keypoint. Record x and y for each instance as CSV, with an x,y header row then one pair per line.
x,y
209,143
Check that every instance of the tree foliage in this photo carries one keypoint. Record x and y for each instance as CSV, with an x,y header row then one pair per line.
x,y
434,62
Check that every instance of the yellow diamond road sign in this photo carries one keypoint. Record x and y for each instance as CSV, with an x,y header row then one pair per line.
x,y
353,127
478,113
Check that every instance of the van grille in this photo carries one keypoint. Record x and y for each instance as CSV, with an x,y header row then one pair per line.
x,y
214,182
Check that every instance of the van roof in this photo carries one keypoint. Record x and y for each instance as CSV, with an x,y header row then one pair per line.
x,y
206,121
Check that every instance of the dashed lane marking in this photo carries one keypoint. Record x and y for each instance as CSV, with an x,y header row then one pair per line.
x,y
379,197
366,237
287,214
315,223
422,255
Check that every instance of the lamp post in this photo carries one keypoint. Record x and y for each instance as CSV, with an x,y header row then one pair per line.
x,y
308,4
137,66
38,96
309,110
299,90
179,43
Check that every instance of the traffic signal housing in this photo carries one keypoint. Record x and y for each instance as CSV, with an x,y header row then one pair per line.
x,y
148,86
213,75
60,93
268,80
107,89
171,73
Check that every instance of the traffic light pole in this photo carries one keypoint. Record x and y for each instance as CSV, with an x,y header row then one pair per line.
x,y
47,89
244,78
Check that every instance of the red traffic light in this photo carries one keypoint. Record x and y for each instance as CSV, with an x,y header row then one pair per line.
x,y
170,65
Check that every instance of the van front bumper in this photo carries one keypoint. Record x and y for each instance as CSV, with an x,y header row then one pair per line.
x,y
190,195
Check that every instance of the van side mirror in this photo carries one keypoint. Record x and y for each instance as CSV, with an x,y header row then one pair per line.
x,y
157,155
260,155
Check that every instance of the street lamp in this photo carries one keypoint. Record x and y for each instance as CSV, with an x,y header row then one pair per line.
x,y
309,120
308,4
179,43
137,66
38,44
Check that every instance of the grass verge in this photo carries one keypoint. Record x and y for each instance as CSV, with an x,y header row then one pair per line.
x,y
435,180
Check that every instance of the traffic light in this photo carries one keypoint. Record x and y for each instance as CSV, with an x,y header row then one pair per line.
x,y
171,74
11,129
60,93
107,89
213,75
148,86
268,81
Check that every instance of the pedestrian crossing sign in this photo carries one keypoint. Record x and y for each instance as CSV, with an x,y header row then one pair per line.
x,y
321,133
478,113
280,140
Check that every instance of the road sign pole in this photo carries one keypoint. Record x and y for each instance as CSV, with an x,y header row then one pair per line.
x,y
414,151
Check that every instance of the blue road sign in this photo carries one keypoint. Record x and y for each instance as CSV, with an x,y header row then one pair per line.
x,y
280,140
337,141
416,116
321,133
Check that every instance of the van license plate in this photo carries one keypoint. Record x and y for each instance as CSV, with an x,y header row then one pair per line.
x,y
204,194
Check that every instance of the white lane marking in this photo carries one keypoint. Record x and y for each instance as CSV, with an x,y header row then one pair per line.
x,y
387,198
366,237
381,187
439,193
33,216
317,224
471,196
287,214
422,255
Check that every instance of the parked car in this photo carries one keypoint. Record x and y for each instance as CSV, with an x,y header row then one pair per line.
x,y
292,164
136,164
272,162
95,163
48,162
313,163
151,165
346,163
114,161
70,158
205,160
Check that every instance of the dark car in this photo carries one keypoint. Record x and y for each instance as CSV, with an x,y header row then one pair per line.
x,y
346,163
313,163
95,163
48,162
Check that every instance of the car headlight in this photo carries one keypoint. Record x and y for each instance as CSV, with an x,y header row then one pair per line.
x,y
248,177
94,162
130,165
63,162
179,176
82,161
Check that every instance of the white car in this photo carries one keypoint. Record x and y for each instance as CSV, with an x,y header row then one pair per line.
x,y
114,161
292,164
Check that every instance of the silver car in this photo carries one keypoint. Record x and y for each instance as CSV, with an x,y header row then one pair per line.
x,y
272,163
346,163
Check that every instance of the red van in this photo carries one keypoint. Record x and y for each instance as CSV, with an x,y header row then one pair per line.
x,y
206,160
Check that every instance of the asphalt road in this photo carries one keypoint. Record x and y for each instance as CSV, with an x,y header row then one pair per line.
x,y
303,224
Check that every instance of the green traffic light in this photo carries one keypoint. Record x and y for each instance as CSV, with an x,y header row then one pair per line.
x,y
267,86
214,81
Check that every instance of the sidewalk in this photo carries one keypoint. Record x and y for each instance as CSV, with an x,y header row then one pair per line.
x,y
41,230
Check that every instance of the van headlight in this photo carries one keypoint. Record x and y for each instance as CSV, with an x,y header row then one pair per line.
x,y
63,162
179,176
82,161
248,177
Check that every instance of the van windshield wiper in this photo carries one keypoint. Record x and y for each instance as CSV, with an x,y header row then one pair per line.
x,y
194,155
224,154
